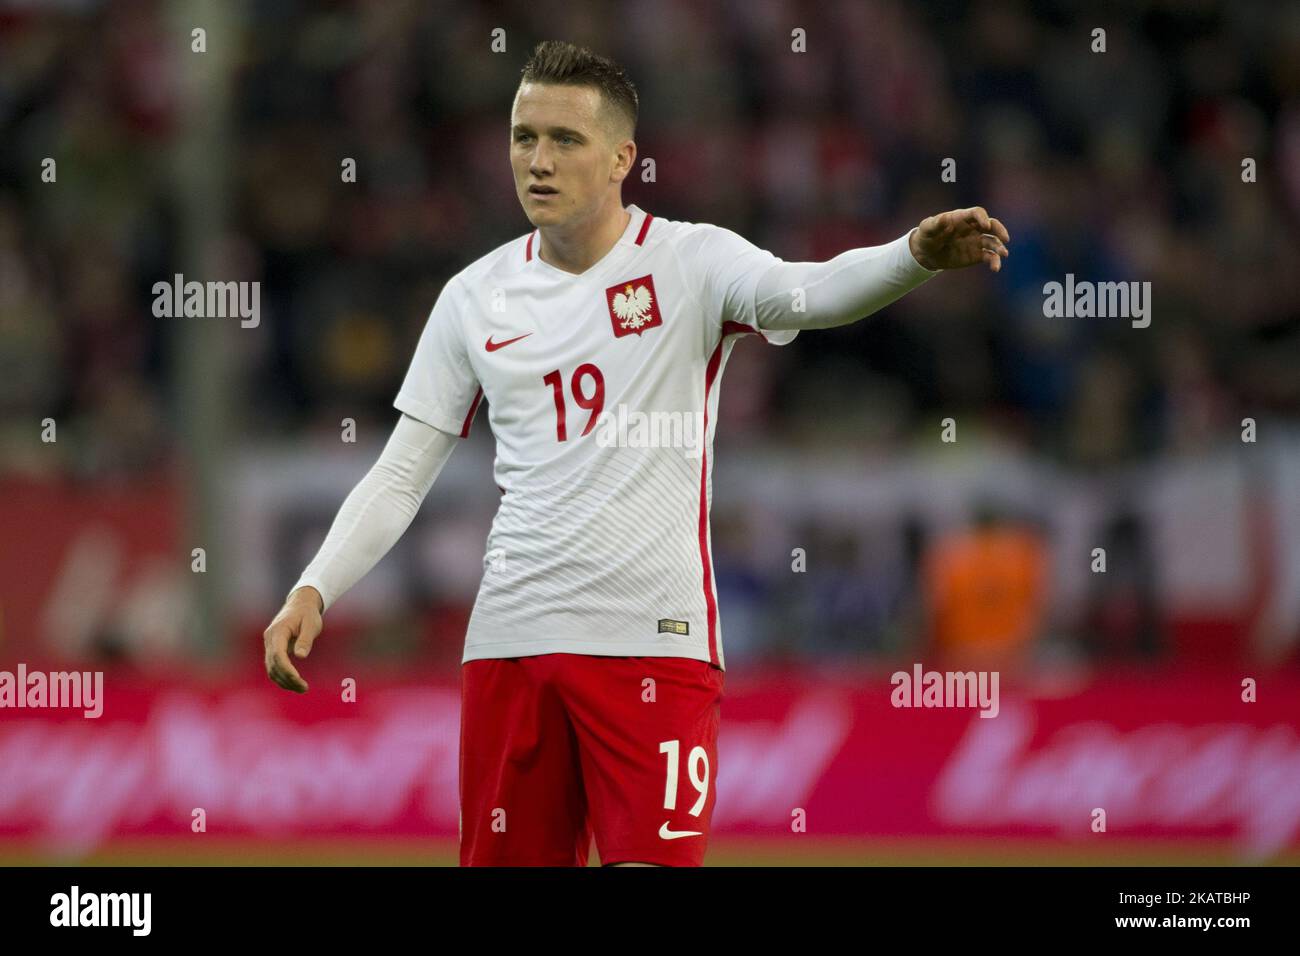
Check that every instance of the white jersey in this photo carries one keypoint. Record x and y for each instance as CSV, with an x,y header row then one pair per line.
x,y
602,393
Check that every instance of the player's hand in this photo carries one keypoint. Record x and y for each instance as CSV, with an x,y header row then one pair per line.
x,y
960,238
293,631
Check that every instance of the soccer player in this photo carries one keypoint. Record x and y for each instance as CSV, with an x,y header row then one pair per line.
x,y
593,663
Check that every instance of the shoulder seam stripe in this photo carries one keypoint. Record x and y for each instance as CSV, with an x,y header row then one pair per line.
x,y
645,226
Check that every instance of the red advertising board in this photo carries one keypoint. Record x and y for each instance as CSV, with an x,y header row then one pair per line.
x,y
1165,755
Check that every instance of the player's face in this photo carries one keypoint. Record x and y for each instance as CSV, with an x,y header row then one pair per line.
x,y
558,140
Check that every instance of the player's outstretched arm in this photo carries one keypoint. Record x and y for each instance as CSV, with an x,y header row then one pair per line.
x,y
373,516
856,283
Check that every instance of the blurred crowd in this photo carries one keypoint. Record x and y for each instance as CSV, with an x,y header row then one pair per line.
x,y
1124,165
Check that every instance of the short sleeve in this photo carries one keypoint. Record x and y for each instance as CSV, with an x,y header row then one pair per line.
x,y
727,268
440,388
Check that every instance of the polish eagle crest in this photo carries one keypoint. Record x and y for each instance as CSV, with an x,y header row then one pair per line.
x,y
632,306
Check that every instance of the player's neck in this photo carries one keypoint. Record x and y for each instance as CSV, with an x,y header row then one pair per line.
x,y
577,252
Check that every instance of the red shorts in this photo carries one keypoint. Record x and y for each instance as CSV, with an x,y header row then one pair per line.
x,y
556,747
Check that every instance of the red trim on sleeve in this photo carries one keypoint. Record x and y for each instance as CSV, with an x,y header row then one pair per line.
x,y
710,600
469,419
645,227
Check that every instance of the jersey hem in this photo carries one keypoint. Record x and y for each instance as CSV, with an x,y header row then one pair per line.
x,y
592,648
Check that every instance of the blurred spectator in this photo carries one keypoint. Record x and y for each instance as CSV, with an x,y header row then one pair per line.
x,y
1120,620
986,592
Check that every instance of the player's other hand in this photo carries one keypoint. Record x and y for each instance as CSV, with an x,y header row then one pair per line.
x,y
292,632
960,238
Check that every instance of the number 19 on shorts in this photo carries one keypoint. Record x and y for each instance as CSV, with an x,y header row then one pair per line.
x,y
697,771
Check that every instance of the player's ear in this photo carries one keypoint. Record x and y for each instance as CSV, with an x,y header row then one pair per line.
x,y
624,159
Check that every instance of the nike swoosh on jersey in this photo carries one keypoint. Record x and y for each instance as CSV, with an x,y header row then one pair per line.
x,y
667,834
493,346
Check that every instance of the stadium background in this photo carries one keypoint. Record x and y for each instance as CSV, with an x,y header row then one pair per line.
x,y
1119,689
